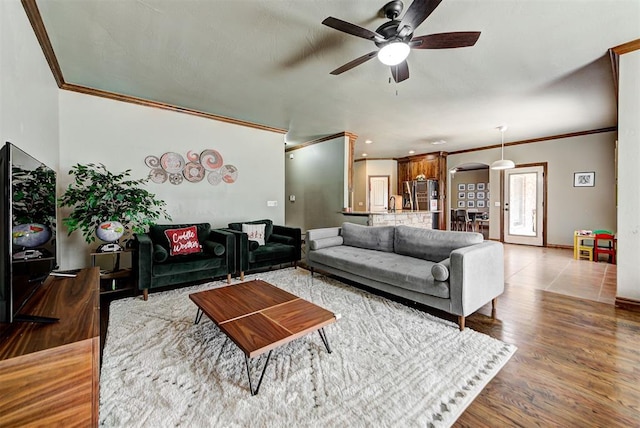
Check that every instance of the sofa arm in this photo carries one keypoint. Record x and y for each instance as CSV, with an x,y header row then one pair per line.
x,y
326,234
476,276
228,240
291,232
241,249
144,262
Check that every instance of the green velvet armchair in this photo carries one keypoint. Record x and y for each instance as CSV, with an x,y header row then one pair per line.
x,y
170,254
281,245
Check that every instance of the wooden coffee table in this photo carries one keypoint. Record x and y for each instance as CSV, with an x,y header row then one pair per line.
x,y
259,317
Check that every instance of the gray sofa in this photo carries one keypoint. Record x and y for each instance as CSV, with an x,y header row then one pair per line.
x,y
456,272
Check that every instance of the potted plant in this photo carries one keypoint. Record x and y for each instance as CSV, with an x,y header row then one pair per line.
x,y
98,196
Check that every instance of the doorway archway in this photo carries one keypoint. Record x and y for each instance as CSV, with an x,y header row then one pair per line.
x,y
469,195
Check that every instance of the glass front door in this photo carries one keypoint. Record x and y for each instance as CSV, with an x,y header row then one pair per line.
x,y
523,206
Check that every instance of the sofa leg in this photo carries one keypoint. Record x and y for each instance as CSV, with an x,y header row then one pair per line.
x,y
295,264
494,303
241,275
311,269
228,278
145,294
461,322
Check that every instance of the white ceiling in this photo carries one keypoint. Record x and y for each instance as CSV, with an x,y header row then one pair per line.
x,y
539,66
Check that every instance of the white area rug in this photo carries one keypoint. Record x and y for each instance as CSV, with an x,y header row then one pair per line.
x,y
391,365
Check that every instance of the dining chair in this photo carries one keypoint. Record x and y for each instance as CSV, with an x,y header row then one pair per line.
x,y
605,243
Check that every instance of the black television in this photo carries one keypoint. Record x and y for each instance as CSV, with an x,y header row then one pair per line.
x,y
28,231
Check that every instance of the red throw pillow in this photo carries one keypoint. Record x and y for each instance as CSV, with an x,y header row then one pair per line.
x,y
183,241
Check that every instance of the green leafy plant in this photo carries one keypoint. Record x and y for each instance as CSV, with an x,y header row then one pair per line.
x,y
34,196
97,195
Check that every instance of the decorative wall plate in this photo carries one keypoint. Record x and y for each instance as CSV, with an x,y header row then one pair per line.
x,y
152,161
214,177
173,167
229,173
172,162
175,178
193,156
193,172
211,159
158,175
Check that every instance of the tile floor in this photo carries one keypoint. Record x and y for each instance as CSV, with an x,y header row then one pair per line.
x,y
555,270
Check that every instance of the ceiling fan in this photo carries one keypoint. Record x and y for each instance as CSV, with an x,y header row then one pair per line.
x,y
395,38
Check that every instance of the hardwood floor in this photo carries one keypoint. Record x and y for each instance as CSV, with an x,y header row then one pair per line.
x,y
578,361
578,358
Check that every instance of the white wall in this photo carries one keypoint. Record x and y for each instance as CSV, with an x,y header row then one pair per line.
x,y
569,207
28,91
629,177
363,170
120,135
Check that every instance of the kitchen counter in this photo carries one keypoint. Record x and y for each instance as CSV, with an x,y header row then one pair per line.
x,y
423,219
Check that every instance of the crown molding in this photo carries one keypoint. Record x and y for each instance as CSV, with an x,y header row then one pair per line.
x,y
33,14
352,139
539,140
155,104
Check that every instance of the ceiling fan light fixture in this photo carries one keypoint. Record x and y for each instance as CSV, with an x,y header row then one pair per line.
x,y
393,53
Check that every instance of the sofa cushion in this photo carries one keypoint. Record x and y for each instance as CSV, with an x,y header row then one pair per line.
x,y
440,271
255,232
317,244
282,239
156,232
183,241
391,268
432,245
213,248
268,229
378,238
160,254
189,263
271,251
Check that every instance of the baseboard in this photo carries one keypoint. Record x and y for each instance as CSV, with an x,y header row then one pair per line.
x,y
562,247
628,304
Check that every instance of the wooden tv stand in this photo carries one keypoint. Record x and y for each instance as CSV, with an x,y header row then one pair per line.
x,y
49,373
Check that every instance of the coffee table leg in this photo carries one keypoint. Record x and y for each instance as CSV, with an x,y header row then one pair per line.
x,y
198,316
246,360
324,338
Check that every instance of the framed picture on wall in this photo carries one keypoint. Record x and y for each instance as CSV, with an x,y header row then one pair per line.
x,y
480,186
584,179
471,204
460,204
471,195
471,186
462,187
480,204
479,195
461,195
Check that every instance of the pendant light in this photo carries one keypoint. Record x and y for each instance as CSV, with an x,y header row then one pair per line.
x,y
502,163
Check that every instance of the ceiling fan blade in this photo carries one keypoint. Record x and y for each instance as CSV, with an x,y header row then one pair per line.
x,y
400,72
351,64
417,13
459,39
354,30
